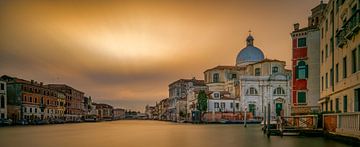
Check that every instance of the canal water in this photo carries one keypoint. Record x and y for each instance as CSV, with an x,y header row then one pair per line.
x,y
150,134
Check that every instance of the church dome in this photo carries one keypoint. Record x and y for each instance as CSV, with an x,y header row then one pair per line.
x,y
249,54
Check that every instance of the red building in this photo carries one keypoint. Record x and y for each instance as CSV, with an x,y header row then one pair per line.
x,y
305,64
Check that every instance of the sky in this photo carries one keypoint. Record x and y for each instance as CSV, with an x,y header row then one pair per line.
x,y
125,53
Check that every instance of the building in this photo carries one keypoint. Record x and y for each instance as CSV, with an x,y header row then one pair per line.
x,y
191,99
118,114
177,97
105,111
150,112
162,109
306,64
340,57
253,82
90,112
3,101
74,102
32,101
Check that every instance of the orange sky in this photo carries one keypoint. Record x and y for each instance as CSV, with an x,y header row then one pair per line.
x,y
127,52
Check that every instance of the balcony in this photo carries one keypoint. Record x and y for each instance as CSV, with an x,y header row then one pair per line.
x,y
349,29
352,25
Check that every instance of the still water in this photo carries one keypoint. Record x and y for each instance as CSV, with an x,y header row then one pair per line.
x,y
150,134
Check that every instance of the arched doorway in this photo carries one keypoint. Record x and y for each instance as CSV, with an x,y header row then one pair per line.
x,y
279,106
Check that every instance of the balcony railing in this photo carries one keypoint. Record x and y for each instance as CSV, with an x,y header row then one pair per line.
x,y
349,29
344,123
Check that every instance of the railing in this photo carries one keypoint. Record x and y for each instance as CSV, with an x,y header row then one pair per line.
x,y
345,123
348,29
352,25
299,122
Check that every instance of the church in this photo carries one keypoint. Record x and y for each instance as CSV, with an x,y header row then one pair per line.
x,y
250,85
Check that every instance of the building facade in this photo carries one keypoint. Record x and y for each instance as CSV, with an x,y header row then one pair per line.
x,y
3,101
32,101
105,111
340,57
253,83
306,64
118,114
178,91
74,102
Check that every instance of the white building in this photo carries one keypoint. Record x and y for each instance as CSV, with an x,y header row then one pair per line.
x,y
252,83
3,102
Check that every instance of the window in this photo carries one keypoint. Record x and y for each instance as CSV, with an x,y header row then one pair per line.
x,y
2,86
257,72
222,105
2,115
279,91
301,97
35,110
30,99
2,101
358,58
337,72
331,105
275,69
30,110
237,105
322,32
322,83
337,105
326,81
216,95
326,25
301,70
302,42
326,51
231,105
233,76
216,105
322,56
345,103
251,91
215,77
344,68
354,61
331,77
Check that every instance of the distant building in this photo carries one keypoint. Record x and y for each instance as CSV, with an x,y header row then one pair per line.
x,y
90,111
306,64
150,112
340,57
3,101
178,92
32,100
105,111
118,114
73,102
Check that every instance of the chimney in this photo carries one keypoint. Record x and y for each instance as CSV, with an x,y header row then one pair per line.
x,y
32,81
296,26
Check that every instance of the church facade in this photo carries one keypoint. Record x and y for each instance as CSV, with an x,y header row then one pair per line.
x,y
250,85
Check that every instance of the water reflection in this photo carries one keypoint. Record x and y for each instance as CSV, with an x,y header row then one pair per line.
x,y
150,134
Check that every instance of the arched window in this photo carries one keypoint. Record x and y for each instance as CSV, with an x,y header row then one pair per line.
x,y
301,71
251,91
275,69
215,77
279,91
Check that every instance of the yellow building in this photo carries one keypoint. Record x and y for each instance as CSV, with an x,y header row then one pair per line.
x,y
340,57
